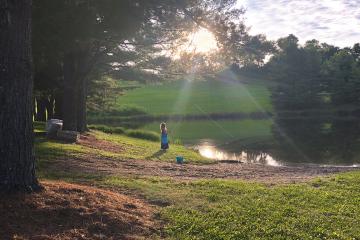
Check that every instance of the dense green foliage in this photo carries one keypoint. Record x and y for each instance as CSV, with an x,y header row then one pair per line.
x,y
314,75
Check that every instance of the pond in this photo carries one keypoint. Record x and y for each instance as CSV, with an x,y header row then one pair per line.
x,y
273,142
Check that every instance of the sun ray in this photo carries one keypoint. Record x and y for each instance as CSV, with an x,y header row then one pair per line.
x,y
201,41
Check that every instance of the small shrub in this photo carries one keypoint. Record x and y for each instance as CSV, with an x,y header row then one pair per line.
x,y
118,130
107,129
152,136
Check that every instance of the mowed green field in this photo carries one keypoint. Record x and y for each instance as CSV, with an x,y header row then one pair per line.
x,y
219,131
199,98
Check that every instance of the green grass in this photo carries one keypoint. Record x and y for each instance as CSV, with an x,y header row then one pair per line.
x,y
187,98
144,149
142,134
138,133
219,131
326,208
223,209
134,148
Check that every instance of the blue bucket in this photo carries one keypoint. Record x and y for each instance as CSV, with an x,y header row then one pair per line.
x,y
179,159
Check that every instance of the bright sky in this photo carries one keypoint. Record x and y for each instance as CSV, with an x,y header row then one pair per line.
x,y
201,41
336,22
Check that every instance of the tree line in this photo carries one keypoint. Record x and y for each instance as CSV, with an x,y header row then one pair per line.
x,y
312,75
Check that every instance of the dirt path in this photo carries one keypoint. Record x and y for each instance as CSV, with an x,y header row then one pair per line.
x,y
253,172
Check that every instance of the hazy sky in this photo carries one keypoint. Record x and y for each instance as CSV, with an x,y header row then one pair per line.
x,y
333,21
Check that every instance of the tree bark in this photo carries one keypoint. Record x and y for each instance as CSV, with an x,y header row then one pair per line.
x,y
70,99
17,161
81,111
75,91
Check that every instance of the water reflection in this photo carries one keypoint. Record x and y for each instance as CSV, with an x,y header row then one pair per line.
x,y
295,141
331,142
272,142
210,151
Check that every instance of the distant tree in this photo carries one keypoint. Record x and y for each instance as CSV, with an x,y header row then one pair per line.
x,y
356,51
314,74
327,51
342,78
103,94
17,163
298,70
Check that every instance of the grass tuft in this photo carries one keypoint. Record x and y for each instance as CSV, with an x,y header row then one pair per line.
x,y
143,134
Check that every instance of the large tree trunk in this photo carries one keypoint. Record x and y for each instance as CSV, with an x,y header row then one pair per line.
x,y
17,162
75,91
81,111
70,98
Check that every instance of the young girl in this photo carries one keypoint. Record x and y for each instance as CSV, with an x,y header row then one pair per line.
x,y
164,138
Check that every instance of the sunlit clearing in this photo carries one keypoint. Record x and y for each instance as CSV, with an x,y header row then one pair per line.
x,y
201,41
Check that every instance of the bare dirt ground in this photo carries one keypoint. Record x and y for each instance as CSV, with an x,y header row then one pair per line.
x,y
68,211
90,141
252,172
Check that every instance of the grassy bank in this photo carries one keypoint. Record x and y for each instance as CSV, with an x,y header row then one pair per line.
x,y
130,148
326,208
186,98
222,209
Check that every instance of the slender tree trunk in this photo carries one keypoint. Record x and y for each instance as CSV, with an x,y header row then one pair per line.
x,y
33,115
41,102
50,102
17,162
58,105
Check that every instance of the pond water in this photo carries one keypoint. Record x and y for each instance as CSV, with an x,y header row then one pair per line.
x,y
271,142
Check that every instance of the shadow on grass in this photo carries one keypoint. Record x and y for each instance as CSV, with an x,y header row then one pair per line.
x,y
158,154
